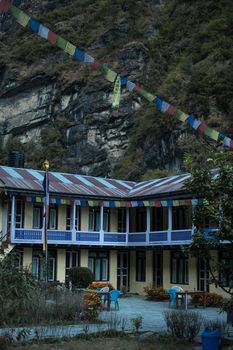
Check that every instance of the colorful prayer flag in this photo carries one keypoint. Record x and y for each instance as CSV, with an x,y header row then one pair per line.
x,y
61,43
4,5
88,58
148,96
52,37
34,25
70,48
79,55
130,86
117,93
43,32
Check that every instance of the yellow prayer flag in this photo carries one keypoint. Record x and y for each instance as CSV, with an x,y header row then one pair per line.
x,y
70,48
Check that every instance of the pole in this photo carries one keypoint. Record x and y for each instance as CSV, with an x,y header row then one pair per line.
x,y
46,214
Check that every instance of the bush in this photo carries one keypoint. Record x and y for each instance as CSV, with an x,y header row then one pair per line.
x,y
81,277
183,324
156,293
212,299
95,285
92,304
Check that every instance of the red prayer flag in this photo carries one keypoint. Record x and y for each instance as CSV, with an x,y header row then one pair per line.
x,y
202,128
137,88
4,5
171,110
231,144
95,65
52,37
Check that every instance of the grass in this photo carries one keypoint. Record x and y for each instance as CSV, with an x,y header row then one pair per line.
x,y
129,342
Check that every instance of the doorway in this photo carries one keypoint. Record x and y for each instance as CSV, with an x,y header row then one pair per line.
x,y
123,271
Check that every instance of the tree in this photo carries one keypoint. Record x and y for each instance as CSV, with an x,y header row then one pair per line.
x,y
214,183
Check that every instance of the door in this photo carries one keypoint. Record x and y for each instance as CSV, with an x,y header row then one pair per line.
x,y
123,271
203,276
158,269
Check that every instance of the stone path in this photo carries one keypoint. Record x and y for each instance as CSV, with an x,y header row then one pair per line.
x,y
152,313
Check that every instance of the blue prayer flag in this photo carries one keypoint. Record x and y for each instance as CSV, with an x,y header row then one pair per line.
x,y
34,25
79,55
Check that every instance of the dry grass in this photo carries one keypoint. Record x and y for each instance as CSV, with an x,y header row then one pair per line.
x,y
116,343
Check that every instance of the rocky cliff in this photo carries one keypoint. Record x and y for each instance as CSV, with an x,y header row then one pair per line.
x,y
51,106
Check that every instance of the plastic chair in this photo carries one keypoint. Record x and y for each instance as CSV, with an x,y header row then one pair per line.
x,y
172,297
179,289
105,290
114,294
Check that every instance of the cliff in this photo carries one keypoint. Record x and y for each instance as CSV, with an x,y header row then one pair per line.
x,y
54,107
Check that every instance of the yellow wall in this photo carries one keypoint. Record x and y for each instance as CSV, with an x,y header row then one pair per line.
x,y
28,216
61,265
27,257
166,269
114,220
84,218
61,217
84,257
138,287
212,288
113,268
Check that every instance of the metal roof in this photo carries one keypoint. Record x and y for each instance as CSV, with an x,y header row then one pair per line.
x,y
29,180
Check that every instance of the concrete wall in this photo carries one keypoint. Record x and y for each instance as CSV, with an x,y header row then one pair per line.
x,y
135,286
113,220
113,268
61,265
84,257
84,218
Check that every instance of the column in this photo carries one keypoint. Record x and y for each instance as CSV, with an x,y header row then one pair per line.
x,y
127,225
73,222
12,229
101,224
193,212
147,225
169,224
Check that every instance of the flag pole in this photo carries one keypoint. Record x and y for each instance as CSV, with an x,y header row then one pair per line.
x,y
45,216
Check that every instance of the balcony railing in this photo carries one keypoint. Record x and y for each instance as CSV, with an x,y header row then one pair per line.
x,y
93,238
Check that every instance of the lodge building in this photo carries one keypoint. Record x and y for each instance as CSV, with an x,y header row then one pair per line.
x,y
128,233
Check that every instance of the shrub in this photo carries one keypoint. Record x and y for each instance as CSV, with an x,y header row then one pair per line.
x,y
156,293
95,285
137,323
81,277
212,299
183,324
92,304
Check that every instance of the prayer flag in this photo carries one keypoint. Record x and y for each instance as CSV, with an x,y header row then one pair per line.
x,y
110,75
70,48
171,110
202,128
158,103
96,65
117,93
227,141
43,32
165,106
79,55
130,86
148,96
196,124
61,43
88,58
4,5
23,19
52,37
34,25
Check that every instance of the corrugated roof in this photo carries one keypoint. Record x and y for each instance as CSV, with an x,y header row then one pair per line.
x,y
30,180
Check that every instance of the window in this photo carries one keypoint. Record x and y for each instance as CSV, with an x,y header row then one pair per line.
x,y
98,263
179,268
226,269
52,218
121,220
37,217
39,266
181,218
72,260
69,218
94,219
159,219
19,214
140,219
141,266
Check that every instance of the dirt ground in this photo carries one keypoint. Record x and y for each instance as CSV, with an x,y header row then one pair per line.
x,y
130,342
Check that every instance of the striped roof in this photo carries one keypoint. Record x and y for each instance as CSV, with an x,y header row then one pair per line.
x,y
29,180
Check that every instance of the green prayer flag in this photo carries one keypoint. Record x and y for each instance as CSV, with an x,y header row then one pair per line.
x,y
61,43
70,48
23,19
117,93
147,95
104,68
15,11
111,75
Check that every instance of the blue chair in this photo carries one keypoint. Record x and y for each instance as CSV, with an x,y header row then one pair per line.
x,y
114,294
172,297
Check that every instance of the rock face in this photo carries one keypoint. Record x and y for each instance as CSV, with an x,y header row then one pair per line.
x,y
52,106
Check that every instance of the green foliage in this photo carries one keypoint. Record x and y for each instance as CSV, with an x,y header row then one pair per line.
x,y
137,323
81,277
217,190
156,293
17,289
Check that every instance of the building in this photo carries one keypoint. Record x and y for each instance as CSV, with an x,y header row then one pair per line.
x,y
128,233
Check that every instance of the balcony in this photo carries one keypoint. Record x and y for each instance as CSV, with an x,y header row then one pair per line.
x,y
131,239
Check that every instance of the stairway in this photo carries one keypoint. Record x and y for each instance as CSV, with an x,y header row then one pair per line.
x,y
5,249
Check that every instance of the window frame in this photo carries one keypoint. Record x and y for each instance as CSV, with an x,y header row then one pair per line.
x,y
40,208
181,262
140,266
93,262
